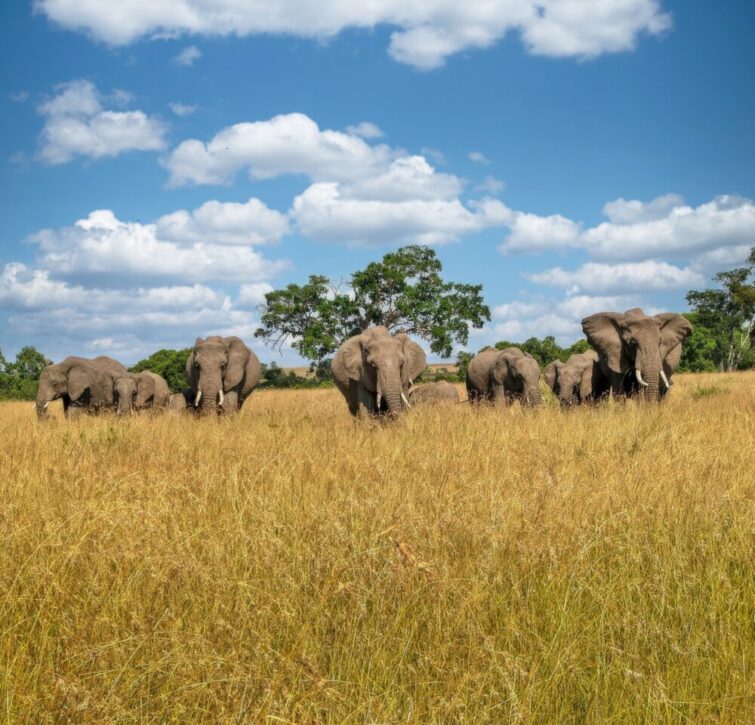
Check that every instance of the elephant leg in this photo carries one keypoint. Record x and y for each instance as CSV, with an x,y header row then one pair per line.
x,y
365,401
230,402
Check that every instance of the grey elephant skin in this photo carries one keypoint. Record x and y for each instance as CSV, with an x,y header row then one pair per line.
x,y
222,373
637,352
80,382
140,391
504,376
434,393
374,371
578,380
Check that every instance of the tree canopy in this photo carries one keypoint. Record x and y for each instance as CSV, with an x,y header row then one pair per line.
x,y
404,292
19,379
171,364
724,320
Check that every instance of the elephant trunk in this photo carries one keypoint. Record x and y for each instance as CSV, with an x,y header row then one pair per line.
x,y
210,394
390,390
44,396
533,396
648,372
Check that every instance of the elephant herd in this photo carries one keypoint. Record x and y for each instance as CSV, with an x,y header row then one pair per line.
x,y
633,353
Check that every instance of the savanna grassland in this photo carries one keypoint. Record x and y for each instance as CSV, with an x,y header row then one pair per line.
x,y
459,565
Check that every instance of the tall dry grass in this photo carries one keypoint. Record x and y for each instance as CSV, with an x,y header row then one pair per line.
x,y
460,565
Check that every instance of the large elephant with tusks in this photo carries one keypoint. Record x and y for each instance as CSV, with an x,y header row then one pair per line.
x,y
222,372
374,371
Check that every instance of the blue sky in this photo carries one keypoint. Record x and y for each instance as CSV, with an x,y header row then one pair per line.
x,y
163,167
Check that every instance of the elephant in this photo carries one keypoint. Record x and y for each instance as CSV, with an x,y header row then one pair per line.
x,y
578,380
222,372
139,391
374,371
80,382
441,392
637,352
182,402
503,376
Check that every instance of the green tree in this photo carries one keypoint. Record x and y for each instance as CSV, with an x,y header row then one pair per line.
x,y
404,291
699,349
171,364
19,380
727,312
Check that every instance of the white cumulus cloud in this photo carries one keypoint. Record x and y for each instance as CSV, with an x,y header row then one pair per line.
x,y
424,34
77,125
188,56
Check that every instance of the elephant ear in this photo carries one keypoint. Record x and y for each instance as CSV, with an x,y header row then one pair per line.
x,y
80,378
349,358
603,333
674,329
191,373
238,357
145,388
415,360
551,374
587,382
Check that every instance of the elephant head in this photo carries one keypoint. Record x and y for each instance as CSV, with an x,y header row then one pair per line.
x,y
124,393
572,382
74,380
383,365
633,346
218,365
517,374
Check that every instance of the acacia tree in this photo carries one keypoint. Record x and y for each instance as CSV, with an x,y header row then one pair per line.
x,y
404,292
728,312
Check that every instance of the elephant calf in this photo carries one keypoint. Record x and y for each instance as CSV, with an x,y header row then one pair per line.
x,y
578,380
140,391
430,393
503,376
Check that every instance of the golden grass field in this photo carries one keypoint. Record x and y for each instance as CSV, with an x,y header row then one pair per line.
x,y
295,566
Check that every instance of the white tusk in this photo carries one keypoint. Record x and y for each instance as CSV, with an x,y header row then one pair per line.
x,y
378,400
406,402
639,378
220,402
46,404
198,398
665,379
411,382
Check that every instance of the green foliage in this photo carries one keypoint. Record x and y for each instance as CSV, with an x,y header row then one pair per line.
x,y
404,291
547,350
171,364
276,377
462,362
724,319
19,379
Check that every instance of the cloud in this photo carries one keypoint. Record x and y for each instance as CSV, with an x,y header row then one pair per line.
x,y
325,213
286,144
102,247
224,223
491,185
188,56
478,157
664,227
103,285
365,130
424,34
77,125
629,277
19,96
182,109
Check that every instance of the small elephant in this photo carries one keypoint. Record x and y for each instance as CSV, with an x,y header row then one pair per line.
x,y
503,376
139,391
429,393
637,352
579,380
80,382
222,372
182,402
374,370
